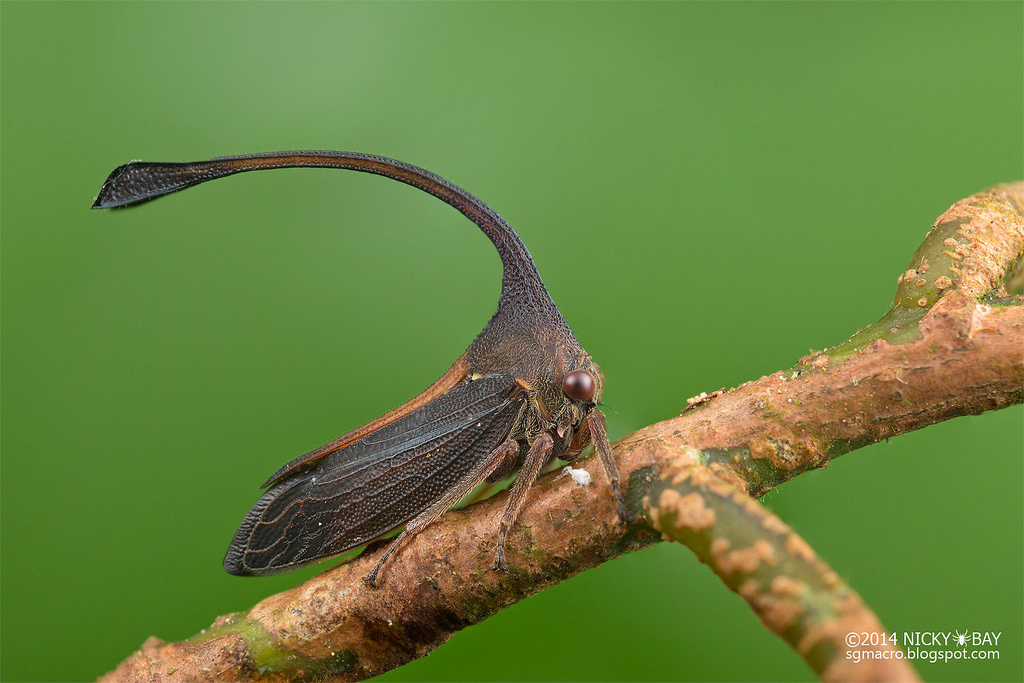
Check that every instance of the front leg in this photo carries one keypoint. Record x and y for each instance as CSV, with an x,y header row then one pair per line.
x,y
595,424
539,453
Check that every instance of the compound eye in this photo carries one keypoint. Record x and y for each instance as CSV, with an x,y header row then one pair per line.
x,y
579,385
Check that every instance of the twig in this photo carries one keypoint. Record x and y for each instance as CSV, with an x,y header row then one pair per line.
x,y
795,594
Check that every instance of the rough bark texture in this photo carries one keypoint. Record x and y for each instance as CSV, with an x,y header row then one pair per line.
x,y
957,353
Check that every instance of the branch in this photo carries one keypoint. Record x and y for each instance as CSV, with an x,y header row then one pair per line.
x,y
950,346
795,594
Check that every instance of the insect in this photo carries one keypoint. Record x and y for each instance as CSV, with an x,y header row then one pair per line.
x,y
524,392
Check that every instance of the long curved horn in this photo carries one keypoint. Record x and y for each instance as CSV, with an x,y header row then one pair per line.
x,y
141,181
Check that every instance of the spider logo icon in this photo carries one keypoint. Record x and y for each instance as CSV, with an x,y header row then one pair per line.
x,y
961,638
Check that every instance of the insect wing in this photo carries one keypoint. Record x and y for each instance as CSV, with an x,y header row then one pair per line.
x,y
455,375
377,483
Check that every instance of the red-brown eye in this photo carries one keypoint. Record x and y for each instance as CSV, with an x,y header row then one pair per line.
x,y
579,385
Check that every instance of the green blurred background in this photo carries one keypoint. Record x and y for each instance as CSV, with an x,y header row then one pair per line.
x,y
710,190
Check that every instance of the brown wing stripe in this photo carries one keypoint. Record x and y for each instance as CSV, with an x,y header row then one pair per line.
x,y
447,381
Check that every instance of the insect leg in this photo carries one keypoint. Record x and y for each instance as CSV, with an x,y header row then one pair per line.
x,y
507,450
595,423
538,455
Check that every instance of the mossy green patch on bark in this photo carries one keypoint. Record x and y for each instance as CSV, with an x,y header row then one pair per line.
x,y
759,473
898,326
843,446
637,489
269,656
